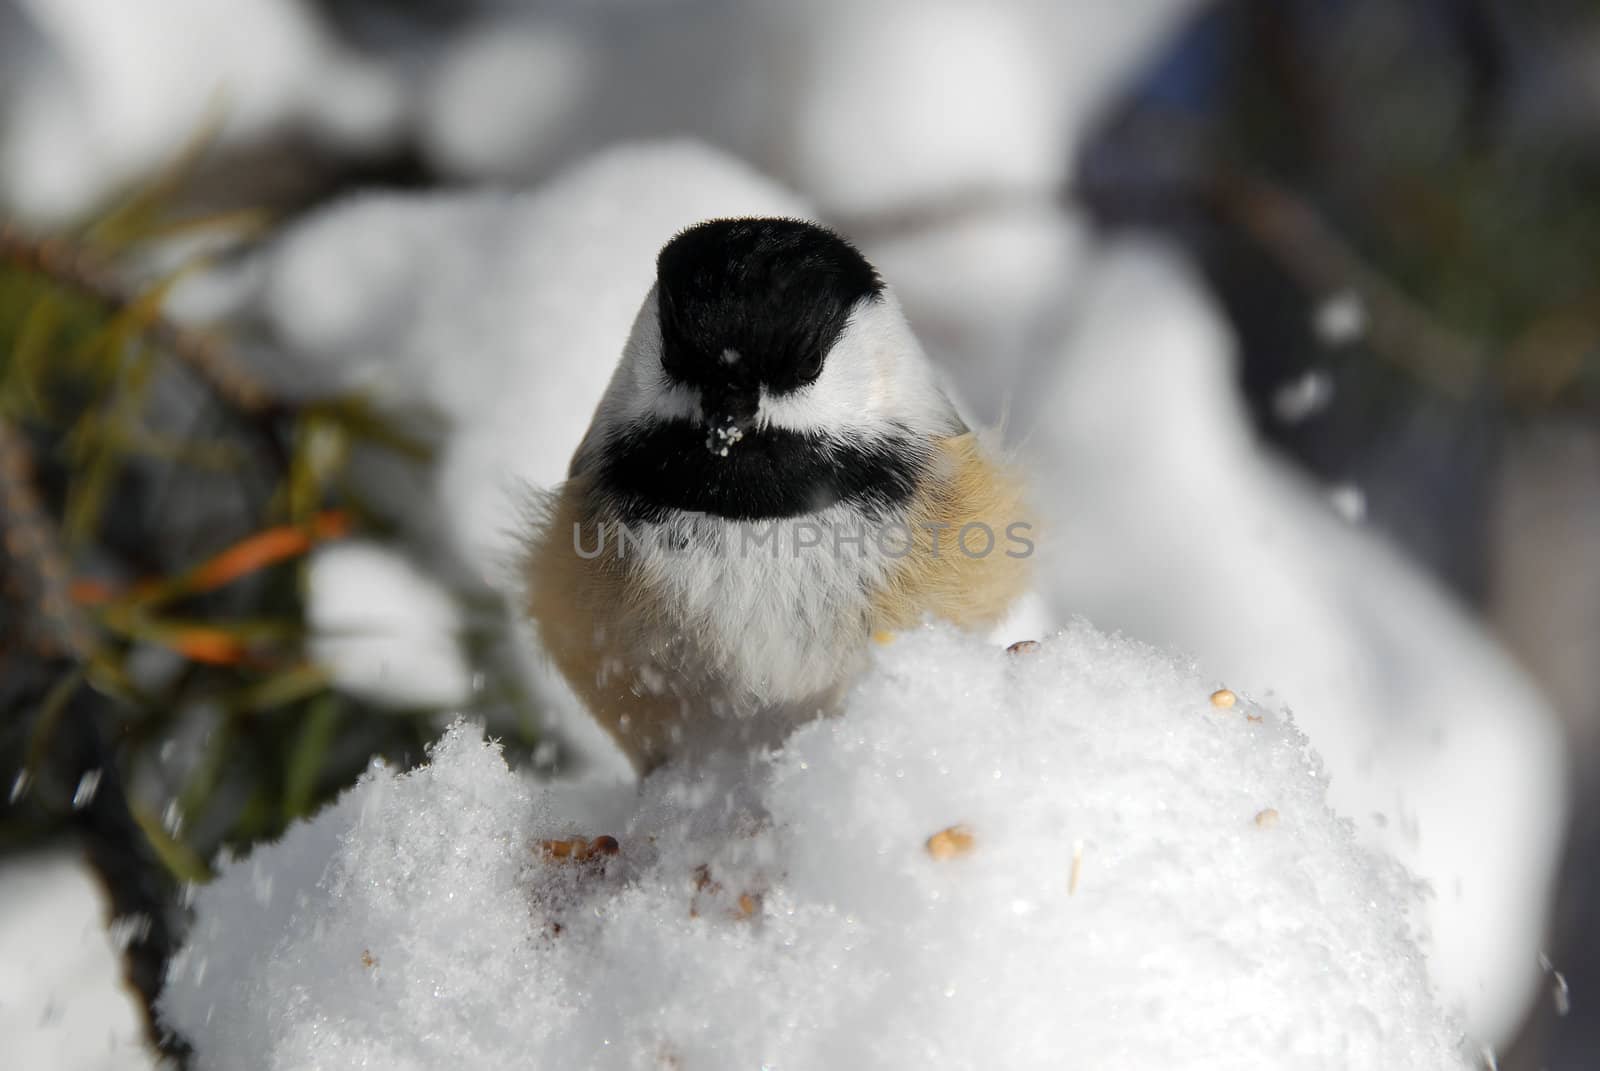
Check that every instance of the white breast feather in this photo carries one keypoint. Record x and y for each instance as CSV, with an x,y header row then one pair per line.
x,y
776,619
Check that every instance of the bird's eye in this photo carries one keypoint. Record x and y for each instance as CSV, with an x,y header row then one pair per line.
x,y
808,368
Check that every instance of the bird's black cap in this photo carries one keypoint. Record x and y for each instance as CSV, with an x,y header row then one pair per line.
x,y
749,303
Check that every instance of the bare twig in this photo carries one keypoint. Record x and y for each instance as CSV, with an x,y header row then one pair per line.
x,y
38,565
1400,329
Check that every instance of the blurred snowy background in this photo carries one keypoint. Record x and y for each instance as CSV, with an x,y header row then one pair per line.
x,y
1292,307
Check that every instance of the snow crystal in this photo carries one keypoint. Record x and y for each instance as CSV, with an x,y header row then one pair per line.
x,y
1560,993
1303,397
384,629
1341,319
88,787
1349,502
990,860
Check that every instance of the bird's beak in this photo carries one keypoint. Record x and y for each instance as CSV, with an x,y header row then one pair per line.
x,y
730,414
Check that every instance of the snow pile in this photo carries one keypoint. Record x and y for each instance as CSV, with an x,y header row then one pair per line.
x,y
1173,524
540,75
1066,858
902,103
384,629
102,93
867,108
908,104
63,1001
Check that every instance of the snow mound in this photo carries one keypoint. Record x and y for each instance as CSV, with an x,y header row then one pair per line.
x,y
63,1000
962,102
104,93
868,107
1071,857
1172,523
385,629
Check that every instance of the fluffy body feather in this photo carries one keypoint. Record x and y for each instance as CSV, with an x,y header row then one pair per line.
x,y
737,526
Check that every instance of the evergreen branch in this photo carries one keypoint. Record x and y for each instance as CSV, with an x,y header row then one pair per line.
x,y
79,270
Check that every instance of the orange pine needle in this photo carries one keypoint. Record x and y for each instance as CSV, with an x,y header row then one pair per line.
x,y
264,549
268,548
87,591
208,645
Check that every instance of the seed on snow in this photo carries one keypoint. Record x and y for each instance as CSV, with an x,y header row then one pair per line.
x,y
952,842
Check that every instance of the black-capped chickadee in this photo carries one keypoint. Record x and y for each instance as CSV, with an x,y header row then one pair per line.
x,y
773,478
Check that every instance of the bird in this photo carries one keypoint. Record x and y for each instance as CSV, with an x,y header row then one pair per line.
x,y
773,480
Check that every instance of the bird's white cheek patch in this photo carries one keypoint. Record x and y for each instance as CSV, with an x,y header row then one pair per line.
x,y
878,395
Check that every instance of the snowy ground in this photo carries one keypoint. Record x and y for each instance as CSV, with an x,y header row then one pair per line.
x,y
1072,857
